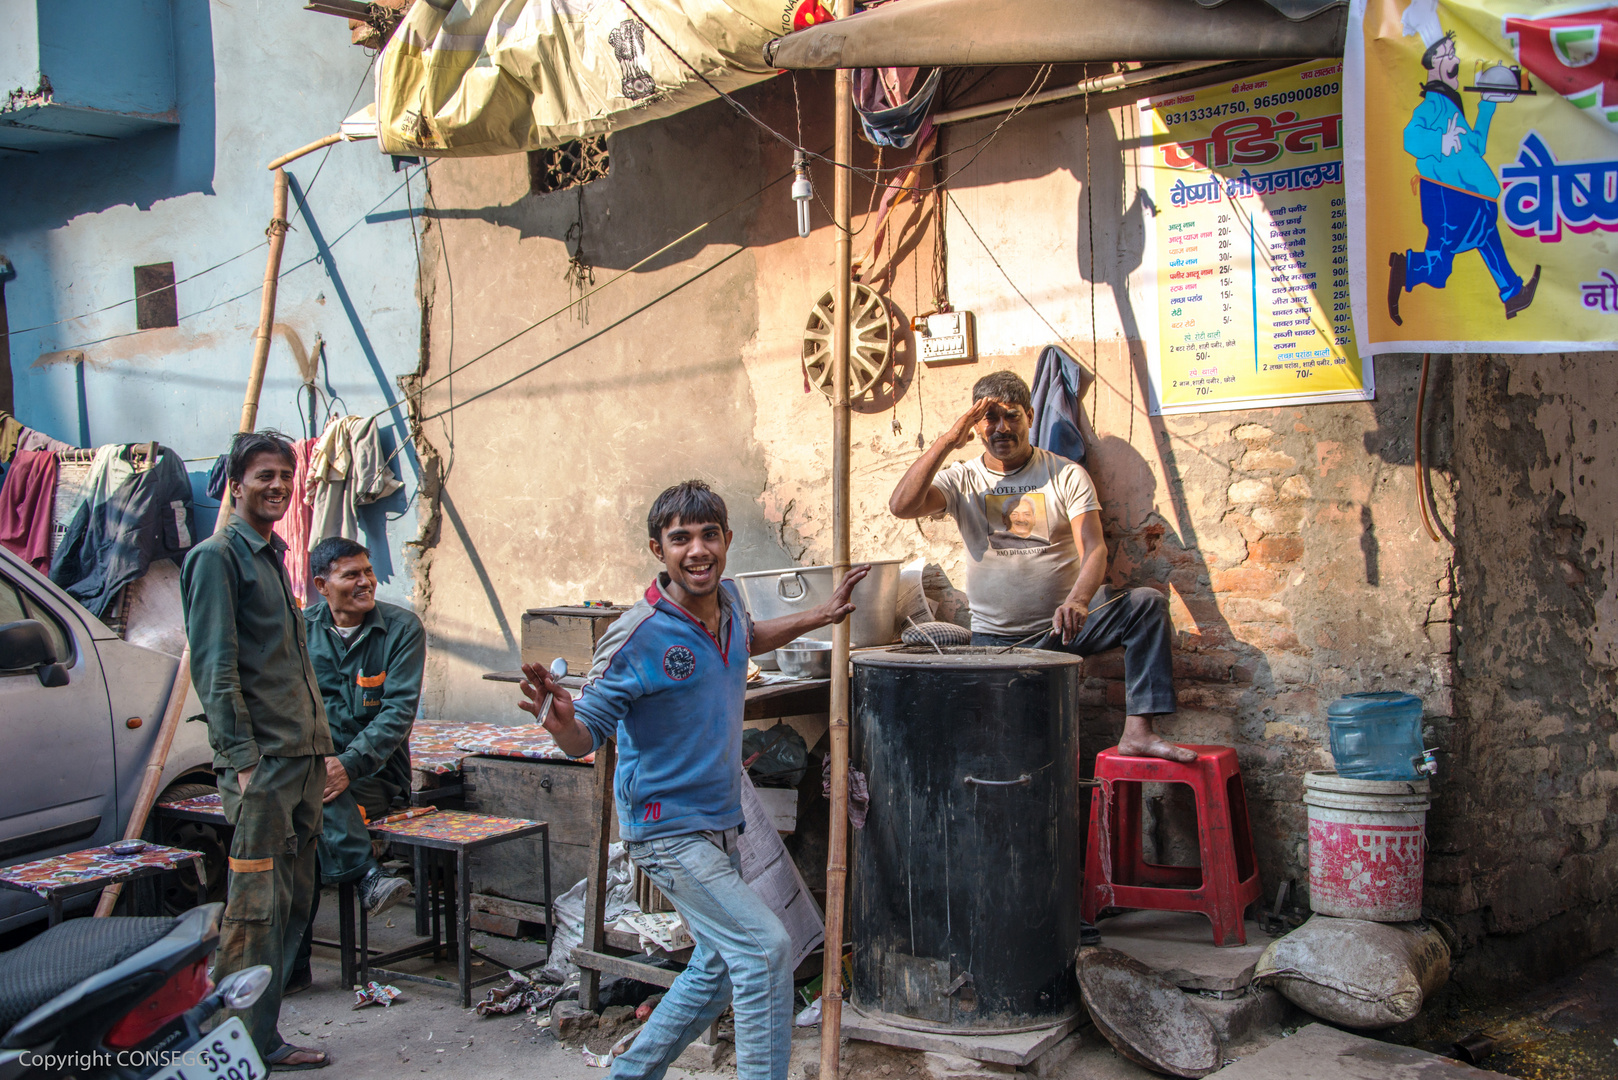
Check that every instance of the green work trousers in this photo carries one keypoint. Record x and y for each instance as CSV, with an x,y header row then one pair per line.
x,y
345,842
272,878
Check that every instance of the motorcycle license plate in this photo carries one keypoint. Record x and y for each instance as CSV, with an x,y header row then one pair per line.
x,y
225,1053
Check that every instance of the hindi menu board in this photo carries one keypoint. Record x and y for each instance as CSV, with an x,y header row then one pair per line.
x,y
1247,251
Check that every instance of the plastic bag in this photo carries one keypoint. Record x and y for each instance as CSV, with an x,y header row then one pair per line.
x,y
1355,973
569,908
777,757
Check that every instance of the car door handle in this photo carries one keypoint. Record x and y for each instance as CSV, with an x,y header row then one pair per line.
x,y
56,836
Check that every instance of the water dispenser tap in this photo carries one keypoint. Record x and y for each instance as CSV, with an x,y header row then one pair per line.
x,y
1429,763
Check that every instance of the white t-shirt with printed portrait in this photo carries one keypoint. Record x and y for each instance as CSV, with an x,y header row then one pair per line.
x,y
1022,556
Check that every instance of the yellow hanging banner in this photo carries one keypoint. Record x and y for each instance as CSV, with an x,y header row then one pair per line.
x,y
1483,175
1247,245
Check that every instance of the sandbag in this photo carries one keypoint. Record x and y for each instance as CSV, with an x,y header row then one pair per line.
x,y
1355,973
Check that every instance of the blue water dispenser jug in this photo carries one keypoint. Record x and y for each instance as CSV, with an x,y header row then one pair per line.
x,y
1376,736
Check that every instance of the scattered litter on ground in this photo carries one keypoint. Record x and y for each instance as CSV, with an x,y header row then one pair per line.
x,y
521,993
375,993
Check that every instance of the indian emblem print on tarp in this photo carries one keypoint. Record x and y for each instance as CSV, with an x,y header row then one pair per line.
x,y
628,40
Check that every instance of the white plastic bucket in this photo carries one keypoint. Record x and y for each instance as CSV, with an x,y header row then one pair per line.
x,y
1367,846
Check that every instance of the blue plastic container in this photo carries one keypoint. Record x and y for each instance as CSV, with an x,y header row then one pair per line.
x,y
1376,736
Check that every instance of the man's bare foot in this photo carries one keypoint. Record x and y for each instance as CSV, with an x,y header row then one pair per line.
x,y
1139,740
297,1058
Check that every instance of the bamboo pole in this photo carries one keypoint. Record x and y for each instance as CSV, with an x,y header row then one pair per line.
x,y
831,994
287,159
182,675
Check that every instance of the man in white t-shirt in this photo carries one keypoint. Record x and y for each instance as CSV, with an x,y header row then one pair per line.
x,y
1036,554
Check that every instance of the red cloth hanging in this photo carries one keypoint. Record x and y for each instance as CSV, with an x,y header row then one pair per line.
x,y
294,528
28,506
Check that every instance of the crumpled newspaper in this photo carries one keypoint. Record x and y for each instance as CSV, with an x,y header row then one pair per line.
x,y
520,993
859,793
664,930
375,993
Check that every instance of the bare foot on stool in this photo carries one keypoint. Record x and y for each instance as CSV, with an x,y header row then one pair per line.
x,y
1140,740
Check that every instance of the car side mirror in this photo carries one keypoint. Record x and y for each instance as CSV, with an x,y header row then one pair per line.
x,y
26,645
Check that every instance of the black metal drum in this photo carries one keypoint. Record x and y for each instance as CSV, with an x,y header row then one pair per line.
x,y
966,875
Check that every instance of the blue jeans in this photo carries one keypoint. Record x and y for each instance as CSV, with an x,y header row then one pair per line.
x,y
742,956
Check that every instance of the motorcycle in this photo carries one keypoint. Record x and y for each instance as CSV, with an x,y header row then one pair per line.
x,y
126,999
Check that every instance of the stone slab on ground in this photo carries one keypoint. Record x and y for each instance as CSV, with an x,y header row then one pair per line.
x,y
1258,1010
1179,946
1019,1049
1322,1053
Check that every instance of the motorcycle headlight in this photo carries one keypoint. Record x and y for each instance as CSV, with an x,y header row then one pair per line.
x,y
241,988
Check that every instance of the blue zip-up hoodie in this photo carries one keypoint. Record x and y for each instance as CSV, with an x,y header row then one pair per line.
x,y
673,696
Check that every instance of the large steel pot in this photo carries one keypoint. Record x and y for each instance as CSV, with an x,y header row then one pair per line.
x,y
770,594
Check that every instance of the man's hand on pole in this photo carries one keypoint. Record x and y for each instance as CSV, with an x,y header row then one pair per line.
x,y
1069,619
839,607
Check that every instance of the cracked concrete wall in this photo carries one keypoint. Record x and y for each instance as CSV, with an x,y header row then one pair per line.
x,y
1522,841
1287,539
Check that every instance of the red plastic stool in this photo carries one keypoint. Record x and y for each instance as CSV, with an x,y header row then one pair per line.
x,y
1226,882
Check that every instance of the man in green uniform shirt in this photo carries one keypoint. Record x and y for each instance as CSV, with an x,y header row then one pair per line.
x,y
267,727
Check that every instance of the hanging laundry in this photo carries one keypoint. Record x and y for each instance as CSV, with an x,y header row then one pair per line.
x,y
294,527
1059,384
38,440
10,433
347,470
127,519
892,106
218,477
878,261
28,506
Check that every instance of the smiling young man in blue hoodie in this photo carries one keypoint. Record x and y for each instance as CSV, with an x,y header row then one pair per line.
x,y
669,682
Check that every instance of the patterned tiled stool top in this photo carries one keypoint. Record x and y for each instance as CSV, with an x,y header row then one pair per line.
x,y
528,741
433,746
452,826
197,804
90,866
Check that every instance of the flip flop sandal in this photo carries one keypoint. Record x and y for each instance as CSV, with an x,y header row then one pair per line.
x,y
277,1060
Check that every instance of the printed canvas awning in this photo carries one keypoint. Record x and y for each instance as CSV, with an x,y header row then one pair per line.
x,y
480,77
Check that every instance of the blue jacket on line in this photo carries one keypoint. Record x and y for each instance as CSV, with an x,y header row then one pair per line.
x,y
673,697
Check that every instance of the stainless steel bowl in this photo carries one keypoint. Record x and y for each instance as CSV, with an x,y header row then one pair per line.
x,y
805,658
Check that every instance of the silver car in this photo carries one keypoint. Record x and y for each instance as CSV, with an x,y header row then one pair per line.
x,y
79,711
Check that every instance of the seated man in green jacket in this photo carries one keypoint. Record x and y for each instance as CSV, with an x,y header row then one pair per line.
x,y
368,658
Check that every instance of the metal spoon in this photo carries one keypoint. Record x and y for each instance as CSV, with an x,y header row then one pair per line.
x,y
558,669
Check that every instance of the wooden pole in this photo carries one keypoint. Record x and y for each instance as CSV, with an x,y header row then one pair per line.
x,y
831,995
182,675
266,322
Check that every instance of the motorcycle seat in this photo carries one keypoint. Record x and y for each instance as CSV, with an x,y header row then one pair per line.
x,y
66,955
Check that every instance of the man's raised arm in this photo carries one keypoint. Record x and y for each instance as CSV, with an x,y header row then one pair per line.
x,y
915,496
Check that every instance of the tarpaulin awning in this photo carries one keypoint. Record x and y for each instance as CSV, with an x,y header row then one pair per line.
x,y
478,77
962,33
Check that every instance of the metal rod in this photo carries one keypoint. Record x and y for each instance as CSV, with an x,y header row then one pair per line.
x,y
911,619
1116,81
831,997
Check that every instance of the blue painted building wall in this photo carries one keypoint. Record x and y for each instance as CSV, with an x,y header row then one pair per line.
x,y
252,82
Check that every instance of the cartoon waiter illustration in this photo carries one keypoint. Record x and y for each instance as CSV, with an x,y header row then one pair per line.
x,y
1459,191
